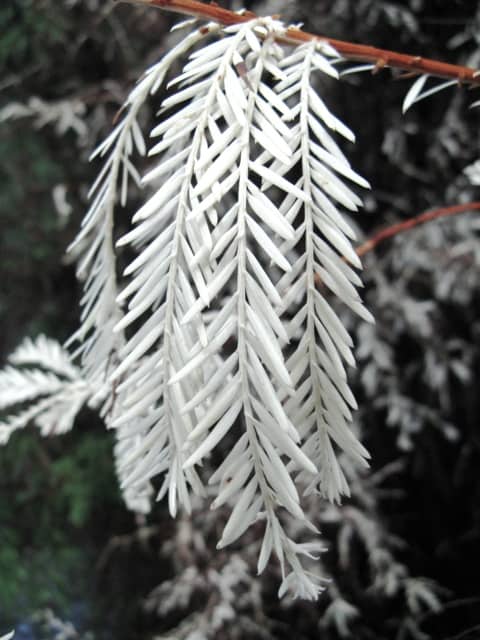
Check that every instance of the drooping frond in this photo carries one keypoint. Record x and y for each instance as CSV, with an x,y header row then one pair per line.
x,y
321,405
98,344
222,330
207,353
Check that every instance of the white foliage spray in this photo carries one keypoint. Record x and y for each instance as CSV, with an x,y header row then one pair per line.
x,y
222,324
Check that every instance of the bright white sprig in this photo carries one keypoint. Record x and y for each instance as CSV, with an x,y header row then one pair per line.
x,y
98,343
202,230
321,406
172,236
220,331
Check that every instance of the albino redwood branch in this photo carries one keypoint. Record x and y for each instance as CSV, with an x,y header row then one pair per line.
x,y
381,58
400,227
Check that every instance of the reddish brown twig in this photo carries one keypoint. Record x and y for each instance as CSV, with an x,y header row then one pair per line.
x,y
381,58
400,227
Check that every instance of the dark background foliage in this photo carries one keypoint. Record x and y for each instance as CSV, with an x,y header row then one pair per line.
x,y
66,541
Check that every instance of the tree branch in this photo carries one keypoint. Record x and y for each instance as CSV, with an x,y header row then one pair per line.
x,y
381,58
400,227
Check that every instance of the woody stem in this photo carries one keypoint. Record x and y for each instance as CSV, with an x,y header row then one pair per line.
x,y
380,58
400,227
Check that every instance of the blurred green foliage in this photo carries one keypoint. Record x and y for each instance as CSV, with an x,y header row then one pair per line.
x,y
53,494
31,241
27,32
59,499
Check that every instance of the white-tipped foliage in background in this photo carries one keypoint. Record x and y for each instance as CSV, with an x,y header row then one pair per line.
x,y
222,322
41,373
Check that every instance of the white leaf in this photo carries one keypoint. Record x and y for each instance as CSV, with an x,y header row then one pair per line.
x,y
237,453
271,98
340,166
220,143
267,245
274,119
266,550
277,139
270,145
439,87
200,357
190,92
269,397
235,95
266,210
239,521
219,377
166,166
234,484
413,92
281,440
217,408
212,289
270,350
218,432
264,279
261,301
273,178
222,164
161,197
